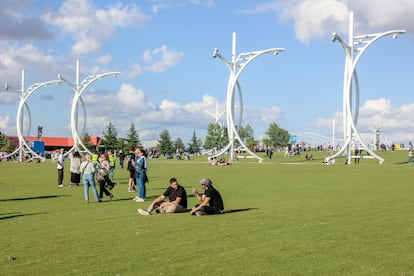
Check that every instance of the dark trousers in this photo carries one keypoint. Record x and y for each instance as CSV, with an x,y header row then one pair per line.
x,y
102,189
60,176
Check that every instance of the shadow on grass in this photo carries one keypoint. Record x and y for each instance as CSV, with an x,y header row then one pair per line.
x,y
233,210
149,199
11,215
30,198
237,210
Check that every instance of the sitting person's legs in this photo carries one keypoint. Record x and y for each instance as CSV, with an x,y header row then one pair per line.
x,y
210,210
174,208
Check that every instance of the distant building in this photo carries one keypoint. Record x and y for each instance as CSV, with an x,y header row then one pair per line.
x,y
53,143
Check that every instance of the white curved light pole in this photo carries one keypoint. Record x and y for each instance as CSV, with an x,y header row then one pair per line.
x,y
24,95
79,89
236,66
357,44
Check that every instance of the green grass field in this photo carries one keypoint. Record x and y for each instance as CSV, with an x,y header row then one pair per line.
x,y
286,217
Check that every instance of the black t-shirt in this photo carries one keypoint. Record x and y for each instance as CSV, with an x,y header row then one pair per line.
x,y
130,156
173,194
215,198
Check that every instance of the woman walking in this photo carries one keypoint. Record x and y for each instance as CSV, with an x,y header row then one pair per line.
x,y
88,169
103,178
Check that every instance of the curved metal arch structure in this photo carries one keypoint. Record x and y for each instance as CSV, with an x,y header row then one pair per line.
x,y
24,96
236,66
358,44
79,88
20,148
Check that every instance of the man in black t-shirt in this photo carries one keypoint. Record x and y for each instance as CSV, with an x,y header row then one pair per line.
x,y
211,200
177,197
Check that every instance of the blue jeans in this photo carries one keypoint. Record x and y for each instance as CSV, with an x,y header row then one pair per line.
x,y
89,180
111,173
141,179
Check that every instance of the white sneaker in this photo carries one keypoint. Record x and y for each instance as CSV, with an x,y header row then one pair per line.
x,y
139,200
135,198
60,185
143,212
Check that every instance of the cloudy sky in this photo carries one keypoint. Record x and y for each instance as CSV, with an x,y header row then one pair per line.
x,y
169,80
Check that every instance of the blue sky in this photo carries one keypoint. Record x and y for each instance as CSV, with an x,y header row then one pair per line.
x,y
169,79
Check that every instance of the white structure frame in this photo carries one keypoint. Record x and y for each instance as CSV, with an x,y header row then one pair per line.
x,y
236,66
79,88
24,95
357,44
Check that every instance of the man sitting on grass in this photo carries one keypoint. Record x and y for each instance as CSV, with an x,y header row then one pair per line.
x,y
211,201
178,200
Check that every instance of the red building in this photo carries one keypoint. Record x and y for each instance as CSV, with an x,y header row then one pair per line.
x,y
53,143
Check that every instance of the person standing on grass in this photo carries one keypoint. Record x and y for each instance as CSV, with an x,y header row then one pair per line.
x,y
132,180
88,176
112,162
60,167
121,156
211,200
141,165
177,200
75,162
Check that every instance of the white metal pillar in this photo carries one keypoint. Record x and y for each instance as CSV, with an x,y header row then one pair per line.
x,y
357,44
79,88
237,64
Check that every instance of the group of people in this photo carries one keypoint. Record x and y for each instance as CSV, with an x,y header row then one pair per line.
x,y
222,162
99,168
92,167
211,201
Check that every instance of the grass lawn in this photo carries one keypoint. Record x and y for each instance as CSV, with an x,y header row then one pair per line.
x,y
286,216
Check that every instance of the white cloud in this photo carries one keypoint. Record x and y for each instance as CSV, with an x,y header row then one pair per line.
x,y
167,4
133,100
4,122
316,19
130,105
15,58
155,61
89,26
395,121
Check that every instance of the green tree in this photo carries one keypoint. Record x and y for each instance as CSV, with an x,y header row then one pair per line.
x,y
110,137
165,145
122,144
194,146
5,144
132,138
276,136
178,144
215,137
246,132
86,141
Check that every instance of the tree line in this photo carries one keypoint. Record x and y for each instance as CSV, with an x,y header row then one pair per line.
x,y
216,138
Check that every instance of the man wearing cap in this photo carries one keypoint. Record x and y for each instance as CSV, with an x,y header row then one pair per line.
x,y
211,200
177,204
